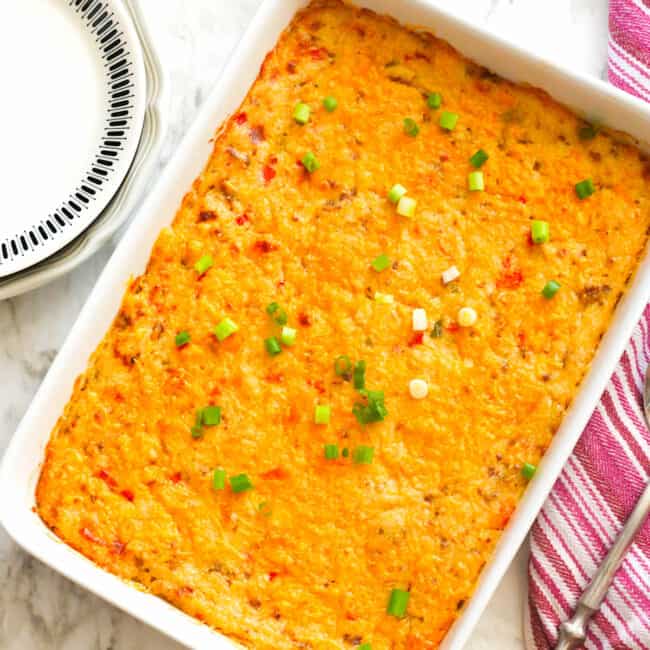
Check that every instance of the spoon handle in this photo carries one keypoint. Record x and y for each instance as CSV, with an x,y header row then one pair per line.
x,y
574,631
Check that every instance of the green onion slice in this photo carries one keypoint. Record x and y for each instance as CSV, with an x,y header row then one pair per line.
x,y
448,120
342,365
539,231
272,346
203,264
381,263
225,329
330,104
322,413
211,416
359,375
219,479
406,207
585,188
411,127
288,336
331,451
240,483
301,113
475,182
277,313
434,100
372,411
310,162
182,338
550,289
528,470
478,159
363,455
398,602
396,193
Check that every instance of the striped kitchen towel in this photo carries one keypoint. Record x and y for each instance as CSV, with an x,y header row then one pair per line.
x,y
610,465
585,511
629,46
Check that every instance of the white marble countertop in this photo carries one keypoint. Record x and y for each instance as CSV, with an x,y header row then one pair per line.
x,y
39,609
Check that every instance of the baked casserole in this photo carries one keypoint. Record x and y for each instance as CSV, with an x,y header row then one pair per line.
x,y
318,407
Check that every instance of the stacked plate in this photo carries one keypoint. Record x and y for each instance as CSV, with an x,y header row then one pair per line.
x,y
81,129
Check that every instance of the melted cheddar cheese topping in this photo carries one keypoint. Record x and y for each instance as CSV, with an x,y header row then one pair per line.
x,y
309,555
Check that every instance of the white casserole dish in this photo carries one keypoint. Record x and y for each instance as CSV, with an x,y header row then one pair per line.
x,y
21,465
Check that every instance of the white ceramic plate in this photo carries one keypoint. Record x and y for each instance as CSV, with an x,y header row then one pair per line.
x,y
72,122
123,201
23,459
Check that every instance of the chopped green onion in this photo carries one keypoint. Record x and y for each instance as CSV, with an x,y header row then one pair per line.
x,y
585,188
240,483
478,159
219,479
211,416
301,113
359,375
396,193
310,162
197,429
384,298
587,131
539,231
330,104
448,120
528,470
411,127
381,263
203,264
345,453
182,338
475,182
363,455
398,602
406,207
331,452
373,411
277,313
225,329
436,332
272,346
342,365
288,336
322,413
365,646
434,100
550,289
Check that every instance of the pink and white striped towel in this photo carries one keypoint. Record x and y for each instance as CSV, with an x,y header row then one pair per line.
x,y
607,472
629,46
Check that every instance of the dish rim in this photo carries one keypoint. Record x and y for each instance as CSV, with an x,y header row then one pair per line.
x,y
101,306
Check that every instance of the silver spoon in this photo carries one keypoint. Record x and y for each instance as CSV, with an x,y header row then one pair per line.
x,y
574,631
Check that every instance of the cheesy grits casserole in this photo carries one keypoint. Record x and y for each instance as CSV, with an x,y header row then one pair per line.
x,y
316,410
